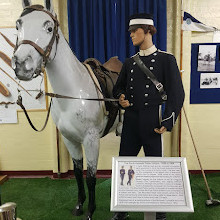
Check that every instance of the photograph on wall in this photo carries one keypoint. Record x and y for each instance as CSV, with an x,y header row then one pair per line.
x,y
206,58
209,80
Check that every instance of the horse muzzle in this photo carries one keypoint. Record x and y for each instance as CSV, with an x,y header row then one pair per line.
x,y
24,70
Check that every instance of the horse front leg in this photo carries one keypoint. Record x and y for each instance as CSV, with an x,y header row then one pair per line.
x,y
78,172
91,183
91,145
75,150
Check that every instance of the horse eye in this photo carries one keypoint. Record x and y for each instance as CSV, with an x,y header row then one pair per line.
x,y
18,24
50,29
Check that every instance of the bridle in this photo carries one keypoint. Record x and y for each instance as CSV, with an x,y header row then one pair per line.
x,y
44,53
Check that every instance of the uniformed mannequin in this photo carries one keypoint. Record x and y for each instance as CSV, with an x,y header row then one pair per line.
x,y
141,100
130,175
122,175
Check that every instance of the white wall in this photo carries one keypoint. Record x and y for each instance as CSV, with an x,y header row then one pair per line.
x,y
204,119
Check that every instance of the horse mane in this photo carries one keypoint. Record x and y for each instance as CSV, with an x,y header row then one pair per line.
x,y
28,10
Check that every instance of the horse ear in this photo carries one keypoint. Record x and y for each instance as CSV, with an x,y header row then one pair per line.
x,y
48,5
26,3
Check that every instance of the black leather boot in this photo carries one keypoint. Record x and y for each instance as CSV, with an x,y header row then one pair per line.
x,y
160,216
120,216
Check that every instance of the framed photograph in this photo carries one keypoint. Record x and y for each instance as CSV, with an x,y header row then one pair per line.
x,y
209,80
206,58
150,184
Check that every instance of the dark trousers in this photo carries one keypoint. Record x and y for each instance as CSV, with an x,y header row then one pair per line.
x,y
138,131
122,179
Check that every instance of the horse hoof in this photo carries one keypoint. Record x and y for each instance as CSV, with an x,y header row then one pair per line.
x,y
88,217
78,210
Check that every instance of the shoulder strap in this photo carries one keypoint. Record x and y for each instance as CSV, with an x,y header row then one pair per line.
x,y
151,76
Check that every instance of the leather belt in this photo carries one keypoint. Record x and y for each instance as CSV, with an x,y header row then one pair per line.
x,y
151,76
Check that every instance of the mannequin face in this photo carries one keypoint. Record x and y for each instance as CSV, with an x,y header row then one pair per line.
x,y
138,36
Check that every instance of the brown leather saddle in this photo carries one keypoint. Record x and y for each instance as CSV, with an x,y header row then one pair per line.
x,y
107,75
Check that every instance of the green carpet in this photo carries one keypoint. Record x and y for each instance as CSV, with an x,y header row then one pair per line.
x,y
49,199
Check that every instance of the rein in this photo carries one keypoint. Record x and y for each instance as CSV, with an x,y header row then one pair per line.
x,y
19,102
54,95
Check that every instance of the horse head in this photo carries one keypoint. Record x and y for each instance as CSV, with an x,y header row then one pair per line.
x,y
37,38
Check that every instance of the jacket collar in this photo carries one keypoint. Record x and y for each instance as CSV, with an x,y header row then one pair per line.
x,y
148,51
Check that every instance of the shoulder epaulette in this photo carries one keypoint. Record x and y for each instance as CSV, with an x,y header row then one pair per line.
x,y
134,55
165,52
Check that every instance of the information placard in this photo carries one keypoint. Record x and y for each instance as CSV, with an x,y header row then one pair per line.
x,y
150,184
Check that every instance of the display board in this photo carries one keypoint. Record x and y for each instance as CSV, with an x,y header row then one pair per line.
x,y
150,184
28,90
205,73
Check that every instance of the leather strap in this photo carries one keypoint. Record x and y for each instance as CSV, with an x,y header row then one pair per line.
x,y
19,102
7,103
38,48
54,95
37,8
45,54
151,76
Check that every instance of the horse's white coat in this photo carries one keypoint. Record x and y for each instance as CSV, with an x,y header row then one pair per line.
x,y
79,121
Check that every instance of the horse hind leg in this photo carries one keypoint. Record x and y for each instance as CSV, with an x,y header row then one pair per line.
x,y
91,146
75,150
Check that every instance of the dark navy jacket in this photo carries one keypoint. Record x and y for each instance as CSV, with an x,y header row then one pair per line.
x,y
141,92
